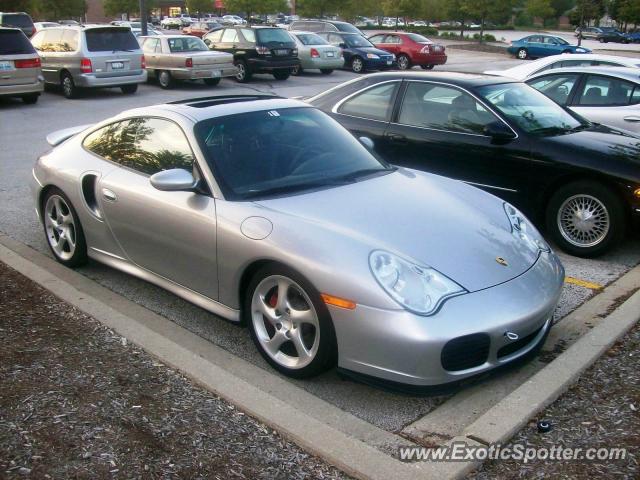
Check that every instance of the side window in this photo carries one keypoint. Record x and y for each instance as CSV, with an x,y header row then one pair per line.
x,y
392,39
150,45
335,40
249,35
556,86
375,103
69,41
377,39
230,36
600,90
37,39
51,41
635,96
443,108
534,39
214,37
147,145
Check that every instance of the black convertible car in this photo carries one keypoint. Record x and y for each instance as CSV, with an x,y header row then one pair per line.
x,y
580,179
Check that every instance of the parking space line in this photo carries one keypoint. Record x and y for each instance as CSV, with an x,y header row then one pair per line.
x,y
583,283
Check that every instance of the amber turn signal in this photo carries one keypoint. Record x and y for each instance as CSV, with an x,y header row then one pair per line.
x,y
338,302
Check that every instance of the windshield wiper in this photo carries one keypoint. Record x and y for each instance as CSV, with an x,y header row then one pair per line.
x,y
296,187
365,173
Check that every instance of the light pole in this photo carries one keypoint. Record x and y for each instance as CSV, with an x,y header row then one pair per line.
x,y
143,17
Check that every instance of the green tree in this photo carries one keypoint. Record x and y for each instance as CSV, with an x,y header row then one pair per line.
x,y
59,9
317,8
129,7
541,9
249,7
483,10
199,6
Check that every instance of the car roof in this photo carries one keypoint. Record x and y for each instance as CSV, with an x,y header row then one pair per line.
x,y
204,108
631,74
462,79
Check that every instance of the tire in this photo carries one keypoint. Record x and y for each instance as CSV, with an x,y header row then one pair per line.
x,y
404,62
585,238
602,40
165,79
326,71
30,99
357,65
129,89
69,89
522,54
297,70
63,230
427,67
281,74
313,332
244,74
212,82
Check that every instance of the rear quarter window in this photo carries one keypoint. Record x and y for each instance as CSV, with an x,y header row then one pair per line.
x,y
14,42
110,40
270,35
17,20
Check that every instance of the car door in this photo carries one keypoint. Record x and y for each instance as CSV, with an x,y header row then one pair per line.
x,y
439,128
212,39
172,234
535,46
367,112
229,41
608,100
559,87
152,51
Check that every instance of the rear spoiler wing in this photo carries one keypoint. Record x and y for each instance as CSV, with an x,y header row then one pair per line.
x,y
56,138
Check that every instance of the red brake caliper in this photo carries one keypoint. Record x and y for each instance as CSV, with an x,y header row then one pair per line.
x,y
273,300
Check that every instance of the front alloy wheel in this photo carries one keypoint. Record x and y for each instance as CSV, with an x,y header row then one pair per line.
x,y
289,323
522,54
357,65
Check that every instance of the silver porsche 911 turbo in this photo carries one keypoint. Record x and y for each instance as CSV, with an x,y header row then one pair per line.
x,y
264,210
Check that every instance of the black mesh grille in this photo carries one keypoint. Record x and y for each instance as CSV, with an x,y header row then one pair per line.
x,y
517,345
465,352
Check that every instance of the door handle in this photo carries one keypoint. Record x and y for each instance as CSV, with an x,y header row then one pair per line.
x,y
109,195
396,138
632,118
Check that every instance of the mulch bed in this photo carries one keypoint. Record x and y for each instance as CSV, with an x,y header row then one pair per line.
x,y
78,402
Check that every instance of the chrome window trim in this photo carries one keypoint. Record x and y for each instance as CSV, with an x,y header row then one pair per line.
x,y
337,106
458,87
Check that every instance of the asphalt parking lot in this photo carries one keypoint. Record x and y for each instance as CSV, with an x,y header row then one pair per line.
x,y
22,137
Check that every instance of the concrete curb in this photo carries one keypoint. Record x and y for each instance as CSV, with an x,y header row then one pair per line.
x,y
354,447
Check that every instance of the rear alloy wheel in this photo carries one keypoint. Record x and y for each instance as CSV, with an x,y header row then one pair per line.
x,y
585,218
357,65
289,322
69,88
602,40
427,67
326,71
165,79
243,74
212,82
522,54
129,89
63,230
281,74
30,99
404,63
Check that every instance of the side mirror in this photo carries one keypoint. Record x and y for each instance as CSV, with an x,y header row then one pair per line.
x,y
343,45
498,131
367,142
207,42
174,180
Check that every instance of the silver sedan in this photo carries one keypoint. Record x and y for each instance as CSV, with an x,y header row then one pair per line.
x,y
315,53
266,211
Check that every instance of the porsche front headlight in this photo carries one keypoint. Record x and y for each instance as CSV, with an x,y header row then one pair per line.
x,y
524,230
419,289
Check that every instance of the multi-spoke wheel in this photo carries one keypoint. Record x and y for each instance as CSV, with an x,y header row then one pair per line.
x,y
289,323
357,65
63,230
585,218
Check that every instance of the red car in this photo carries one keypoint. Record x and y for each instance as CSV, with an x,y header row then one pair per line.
x,y
411,49
198,29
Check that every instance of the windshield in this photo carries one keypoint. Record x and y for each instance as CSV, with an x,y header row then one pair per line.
x,y
275,152
186,44
16,20
561,41
111,40
418,38
356,41
347,27
311,39
13,42
529,109
269,35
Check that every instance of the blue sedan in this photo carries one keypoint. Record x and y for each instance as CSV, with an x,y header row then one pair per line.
x,y
359,53
535,46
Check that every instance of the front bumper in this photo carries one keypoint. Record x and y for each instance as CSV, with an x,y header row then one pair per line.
x,y
96,80
379,64
400,347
